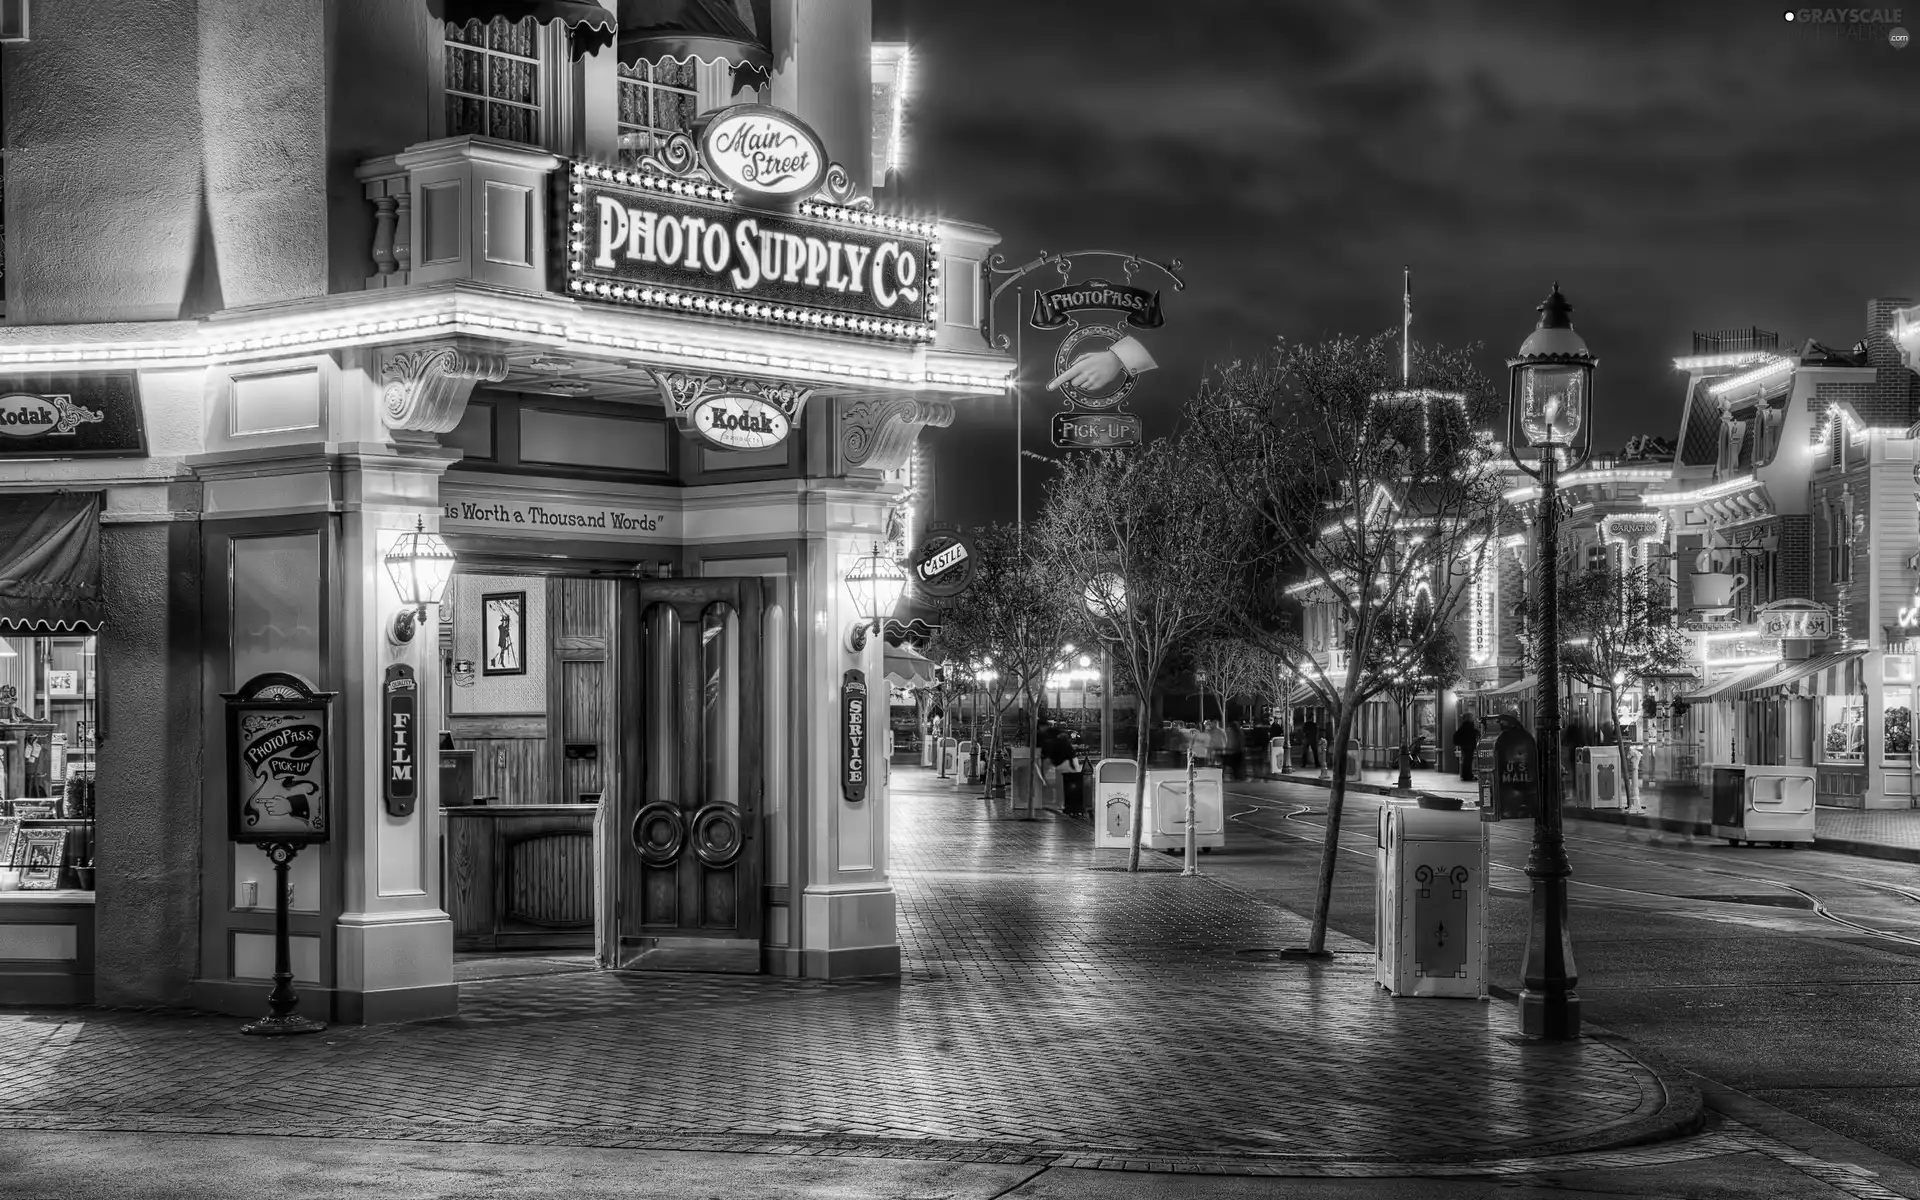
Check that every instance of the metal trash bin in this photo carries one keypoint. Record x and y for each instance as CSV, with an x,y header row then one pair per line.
x,y
1596,777
1277,750
966,767
1164,827
1763,804
1114,781
949,753
1430,901
1026,782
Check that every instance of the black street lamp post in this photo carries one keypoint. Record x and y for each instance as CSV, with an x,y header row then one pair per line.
x,y
1550,390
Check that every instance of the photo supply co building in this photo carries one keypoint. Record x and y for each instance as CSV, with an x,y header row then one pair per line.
x,y
447,435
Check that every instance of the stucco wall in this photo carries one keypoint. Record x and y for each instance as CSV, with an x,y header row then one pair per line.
x,y
380,102
164,159
104,208
147,846
823,71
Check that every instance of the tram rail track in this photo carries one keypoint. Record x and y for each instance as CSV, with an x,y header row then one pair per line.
x,y
1815,904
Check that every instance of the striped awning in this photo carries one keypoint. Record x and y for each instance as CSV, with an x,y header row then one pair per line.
x,y
1729,689
1526,685
1839,674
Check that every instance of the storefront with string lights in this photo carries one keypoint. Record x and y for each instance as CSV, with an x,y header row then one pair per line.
x,y
567,504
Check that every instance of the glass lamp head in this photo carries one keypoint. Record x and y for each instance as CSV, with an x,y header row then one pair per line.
x,y
1552,379
420,565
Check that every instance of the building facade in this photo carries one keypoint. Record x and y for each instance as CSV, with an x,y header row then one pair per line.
x,y
615,310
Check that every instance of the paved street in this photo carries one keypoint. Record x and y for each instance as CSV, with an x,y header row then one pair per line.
x,y
1060,1023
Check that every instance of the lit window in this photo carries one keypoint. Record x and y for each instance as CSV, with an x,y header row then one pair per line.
x,y
656,99
493,80
48,724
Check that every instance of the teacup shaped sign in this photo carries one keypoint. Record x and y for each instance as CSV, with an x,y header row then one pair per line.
x,y
764,152
740,422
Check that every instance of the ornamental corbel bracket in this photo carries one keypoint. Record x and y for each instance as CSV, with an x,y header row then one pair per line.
x,y
878,434
424,389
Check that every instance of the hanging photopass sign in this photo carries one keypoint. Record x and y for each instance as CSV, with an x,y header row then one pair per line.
x,y
853,737
279,786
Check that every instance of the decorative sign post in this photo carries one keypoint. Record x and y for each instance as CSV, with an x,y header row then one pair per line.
x,y
399,718
853,736
942,565
278,798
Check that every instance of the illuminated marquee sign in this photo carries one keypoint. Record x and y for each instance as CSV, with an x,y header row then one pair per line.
x,y
71,416
832,269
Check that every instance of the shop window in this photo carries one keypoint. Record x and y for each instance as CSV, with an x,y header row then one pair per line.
x,y
1839,544
1899,720
1843,728
493,80
656,99
48,724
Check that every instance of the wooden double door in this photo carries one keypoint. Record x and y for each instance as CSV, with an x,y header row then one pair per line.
x,y
685,828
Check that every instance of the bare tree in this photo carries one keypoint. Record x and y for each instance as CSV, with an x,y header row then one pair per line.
x,y
1370,502
1148,544
1616,629
1011,626
1230,666
1412,670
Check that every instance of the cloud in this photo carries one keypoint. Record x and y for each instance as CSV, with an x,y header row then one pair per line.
x,y
1672,165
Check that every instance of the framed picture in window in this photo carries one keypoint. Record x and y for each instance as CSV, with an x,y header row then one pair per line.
x,y
41,853
41,810
503,633
9,826
63,683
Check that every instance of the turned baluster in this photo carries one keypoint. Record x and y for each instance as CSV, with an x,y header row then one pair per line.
x,y
383,213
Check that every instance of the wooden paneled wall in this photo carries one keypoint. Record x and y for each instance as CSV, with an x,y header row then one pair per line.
x,y
583,683
510,760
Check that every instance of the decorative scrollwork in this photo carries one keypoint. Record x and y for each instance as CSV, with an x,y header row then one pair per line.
x,y
679,158
837,186
426,390
659,834
683,390
880,433
717,835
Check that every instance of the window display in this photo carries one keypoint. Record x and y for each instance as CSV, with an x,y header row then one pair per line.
x,y
48,723
1843,728
1897,722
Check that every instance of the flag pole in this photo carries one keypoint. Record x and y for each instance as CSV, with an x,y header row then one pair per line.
x,y
1406,326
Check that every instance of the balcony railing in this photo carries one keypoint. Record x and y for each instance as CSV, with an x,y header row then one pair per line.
x,y
1735,341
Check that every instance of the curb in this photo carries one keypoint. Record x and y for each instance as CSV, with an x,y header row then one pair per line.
x,y
1846,846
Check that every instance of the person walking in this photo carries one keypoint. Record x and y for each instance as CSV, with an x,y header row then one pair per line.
x,y
1236,753
1312,755
1056,748
1465,739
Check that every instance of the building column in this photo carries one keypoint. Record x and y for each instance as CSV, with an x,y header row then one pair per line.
x,y
393,937
846,906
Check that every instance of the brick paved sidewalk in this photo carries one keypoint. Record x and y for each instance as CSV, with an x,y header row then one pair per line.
x,y
1878,833
1053,1009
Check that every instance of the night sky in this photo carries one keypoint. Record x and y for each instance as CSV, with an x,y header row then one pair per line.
x,y
1675,165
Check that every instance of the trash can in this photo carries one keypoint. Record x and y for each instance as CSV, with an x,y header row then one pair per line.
x,y
966,763
1165,825
949,748
928,745
1277,756
1763,804
1026,782
1430,901
1353,762
1114,780
1596,782
1073,793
